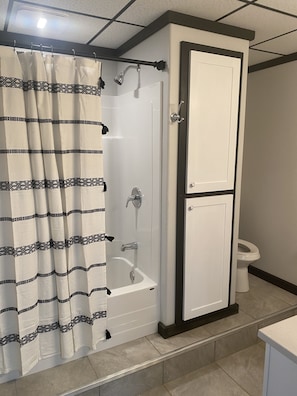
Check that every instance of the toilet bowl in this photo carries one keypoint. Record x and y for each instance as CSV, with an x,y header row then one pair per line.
x,y
247,253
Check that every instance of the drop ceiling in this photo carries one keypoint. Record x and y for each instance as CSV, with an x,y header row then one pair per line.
x,y
111,23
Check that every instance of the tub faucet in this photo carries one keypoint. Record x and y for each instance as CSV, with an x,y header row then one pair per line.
x,y
129,246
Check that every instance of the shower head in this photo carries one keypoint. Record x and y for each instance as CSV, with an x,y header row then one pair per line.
x,y
119,79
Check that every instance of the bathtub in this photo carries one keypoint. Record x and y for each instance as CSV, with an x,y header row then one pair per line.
x,y
132,308
132,312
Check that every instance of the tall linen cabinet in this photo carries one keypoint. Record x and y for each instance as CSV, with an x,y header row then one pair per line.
x,y
205,187
211,107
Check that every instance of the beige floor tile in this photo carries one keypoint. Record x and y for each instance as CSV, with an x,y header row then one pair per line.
x,y
236,341
188,361
259,287
136,383
259,305
91,392
207,381
228,323
8,389
57,380
159,391
180,340
123,356
246,368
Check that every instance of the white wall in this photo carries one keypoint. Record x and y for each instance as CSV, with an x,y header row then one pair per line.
x,y
269,182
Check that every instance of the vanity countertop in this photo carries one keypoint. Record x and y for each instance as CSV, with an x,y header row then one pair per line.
x,y
282,336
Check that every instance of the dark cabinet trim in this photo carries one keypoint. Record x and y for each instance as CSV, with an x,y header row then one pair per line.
x,y
186,47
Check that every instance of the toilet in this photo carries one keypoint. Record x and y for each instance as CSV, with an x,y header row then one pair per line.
x,y
247,253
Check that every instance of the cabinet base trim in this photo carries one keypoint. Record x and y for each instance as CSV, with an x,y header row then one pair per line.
x,y
177,328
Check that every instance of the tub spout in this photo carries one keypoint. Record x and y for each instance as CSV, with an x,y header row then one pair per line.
x,y
129,246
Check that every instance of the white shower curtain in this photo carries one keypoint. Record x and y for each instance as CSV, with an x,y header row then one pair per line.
x,y
52,212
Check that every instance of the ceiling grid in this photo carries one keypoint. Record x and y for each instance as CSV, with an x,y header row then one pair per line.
x,y
111,24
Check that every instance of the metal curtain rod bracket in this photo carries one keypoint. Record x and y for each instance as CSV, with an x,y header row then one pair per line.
x,y
159,65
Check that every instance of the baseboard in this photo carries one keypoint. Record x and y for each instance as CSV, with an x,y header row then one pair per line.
x,y
290,287
174,329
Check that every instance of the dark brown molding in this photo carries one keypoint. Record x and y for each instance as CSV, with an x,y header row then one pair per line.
x,y
283,284
273,62
177,18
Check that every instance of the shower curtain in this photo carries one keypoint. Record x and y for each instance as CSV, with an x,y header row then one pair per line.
x,y
52,213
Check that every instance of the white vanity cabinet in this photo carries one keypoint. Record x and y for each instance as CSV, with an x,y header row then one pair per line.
x,y
280,371
210,92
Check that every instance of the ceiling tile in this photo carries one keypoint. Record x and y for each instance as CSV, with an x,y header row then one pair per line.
x,y
115,35
103,8
284,44
3,8
256,57
267,24
289,6
144,12
69,27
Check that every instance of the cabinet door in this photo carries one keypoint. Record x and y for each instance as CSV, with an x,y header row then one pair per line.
x,y
208,222
214,83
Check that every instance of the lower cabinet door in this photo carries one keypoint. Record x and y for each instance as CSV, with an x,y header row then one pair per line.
x,y
207,255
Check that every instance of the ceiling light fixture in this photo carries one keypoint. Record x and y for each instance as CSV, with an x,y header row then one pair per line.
x,y
41,23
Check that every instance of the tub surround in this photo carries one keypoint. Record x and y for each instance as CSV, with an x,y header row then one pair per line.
x,y
280,358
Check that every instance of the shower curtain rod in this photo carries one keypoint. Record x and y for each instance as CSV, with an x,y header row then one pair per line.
x,y
159,65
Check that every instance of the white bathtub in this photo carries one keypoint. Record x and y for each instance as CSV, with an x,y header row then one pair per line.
x,y
132,308
132,312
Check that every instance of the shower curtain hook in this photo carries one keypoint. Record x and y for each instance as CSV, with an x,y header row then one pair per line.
x,y
73,51
14,45
52,47
31,48
95,56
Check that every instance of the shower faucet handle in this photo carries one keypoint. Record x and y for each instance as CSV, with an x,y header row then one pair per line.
x,y
135,198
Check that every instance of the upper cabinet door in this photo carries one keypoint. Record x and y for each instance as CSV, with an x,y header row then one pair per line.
x,y
213,107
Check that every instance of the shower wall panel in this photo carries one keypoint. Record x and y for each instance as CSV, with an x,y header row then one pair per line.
x,y
132,158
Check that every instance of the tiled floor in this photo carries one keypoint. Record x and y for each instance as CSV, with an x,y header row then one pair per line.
x,y
223,358
239,374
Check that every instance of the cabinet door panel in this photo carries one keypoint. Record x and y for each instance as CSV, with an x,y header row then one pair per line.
x,y
208,223
212,121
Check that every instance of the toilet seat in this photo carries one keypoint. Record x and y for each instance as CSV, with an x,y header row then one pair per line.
x,y
250,251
